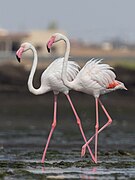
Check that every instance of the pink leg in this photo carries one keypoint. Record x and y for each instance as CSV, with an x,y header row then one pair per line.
x,y
52,129
80,126
96,129
101,129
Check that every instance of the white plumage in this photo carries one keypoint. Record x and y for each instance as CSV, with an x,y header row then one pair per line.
x,y
51,78
94,79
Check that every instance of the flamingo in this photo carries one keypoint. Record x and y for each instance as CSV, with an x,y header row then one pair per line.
x,y
94,79
51,81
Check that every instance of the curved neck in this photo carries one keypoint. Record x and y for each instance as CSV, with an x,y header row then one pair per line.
x,y
65,63
32,72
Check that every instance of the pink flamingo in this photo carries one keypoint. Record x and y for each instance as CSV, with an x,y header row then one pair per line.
x,y
51,81
94,79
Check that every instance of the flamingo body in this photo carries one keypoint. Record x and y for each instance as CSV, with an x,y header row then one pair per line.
x,y
51,80
51,77
94,79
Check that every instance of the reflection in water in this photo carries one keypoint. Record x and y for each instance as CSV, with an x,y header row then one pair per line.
x,y
87,174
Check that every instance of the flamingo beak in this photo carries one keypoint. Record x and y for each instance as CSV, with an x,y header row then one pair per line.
x,y
19,53
50,43
48,49
18,58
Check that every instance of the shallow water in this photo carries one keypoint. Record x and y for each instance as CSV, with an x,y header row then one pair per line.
x,y
25,124
24,163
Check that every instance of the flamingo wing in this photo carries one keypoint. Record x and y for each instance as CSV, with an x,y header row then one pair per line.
x,y
72,70
54,71
101,73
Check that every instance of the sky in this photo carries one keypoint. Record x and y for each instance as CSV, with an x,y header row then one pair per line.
x,y
87,20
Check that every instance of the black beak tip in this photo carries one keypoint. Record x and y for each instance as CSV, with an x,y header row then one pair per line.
x,y
18,58
48,49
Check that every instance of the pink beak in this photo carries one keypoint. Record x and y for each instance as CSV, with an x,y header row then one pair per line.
x,y
19,53
50,43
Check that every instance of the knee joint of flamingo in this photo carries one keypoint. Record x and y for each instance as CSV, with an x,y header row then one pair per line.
x,y
97,126
110,121
53,125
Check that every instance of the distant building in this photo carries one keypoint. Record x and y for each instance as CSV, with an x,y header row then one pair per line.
x,y
10,42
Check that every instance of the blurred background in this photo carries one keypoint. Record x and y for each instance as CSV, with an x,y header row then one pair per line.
x,y
100,29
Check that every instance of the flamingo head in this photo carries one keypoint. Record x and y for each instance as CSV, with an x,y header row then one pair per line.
x,y
54,38
24,47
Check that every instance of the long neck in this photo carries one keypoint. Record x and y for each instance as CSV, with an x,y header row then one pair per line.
x,y
32,72
65,63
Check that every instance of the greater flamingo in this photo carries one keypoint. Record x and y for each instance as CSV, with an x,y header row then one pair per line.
x,y
51,81
94,79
